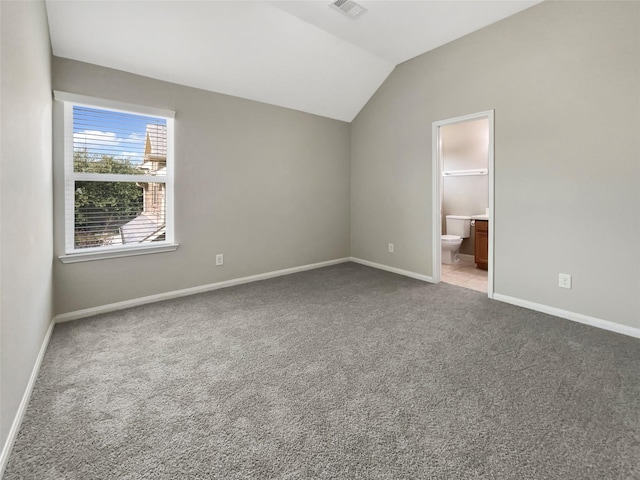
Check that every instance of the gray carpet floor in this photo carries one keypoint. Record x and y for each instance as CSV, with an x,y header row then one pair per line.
x,y
344,372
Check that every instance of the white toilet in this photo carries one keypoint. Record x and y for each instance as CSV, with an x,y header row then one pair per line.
x,y
458,227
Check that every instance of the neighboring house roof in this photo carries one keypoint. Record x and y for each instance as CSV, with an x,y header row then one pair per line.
x,y
156,143
143,227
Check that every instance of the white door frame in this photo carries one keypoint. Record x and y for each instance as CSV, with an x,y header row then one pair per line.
x,y
436,213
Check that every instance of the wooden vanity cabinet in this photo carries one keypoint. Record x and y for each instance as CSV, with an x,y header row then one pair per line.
x,y
482,244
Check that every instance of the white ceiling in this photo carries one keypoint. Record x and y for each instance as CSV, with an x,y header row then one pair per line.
x,y
299,54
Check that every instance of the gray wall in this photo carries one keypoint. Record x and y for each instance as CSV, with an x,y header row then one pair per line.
x,y
465,146
564,80
266,186
26,198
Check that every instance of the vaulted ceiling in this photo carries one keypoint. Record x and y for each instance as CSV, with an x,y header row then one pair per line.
x,y
302,54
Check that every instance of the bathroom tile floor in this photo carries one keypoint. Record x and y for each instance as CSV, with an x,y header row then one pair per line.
x,y
465,274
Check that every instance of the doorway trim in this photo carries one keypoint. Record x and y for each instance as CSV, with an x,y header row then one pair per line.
x,y
436,213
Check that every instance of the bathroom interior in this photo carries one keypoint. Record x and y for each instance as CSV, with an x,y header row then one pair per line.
x,y
465,203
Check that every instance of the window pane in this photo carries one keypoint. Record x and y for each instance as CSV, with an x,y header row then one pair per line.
x,y
116,142
118,213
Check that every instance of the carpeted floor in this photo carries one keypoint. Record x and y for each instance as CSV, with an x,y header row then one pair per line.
x,y
344,372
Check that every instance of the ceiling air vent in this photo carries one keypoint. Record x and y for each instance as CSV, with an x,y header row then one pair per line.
x,y
349,8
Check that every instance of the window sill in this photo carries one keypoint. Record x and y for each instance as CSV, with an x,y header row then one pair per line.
x,y
115,253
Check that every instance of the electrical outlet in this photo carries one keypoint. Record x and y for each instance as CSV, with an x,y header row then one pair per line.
x,y
391,248
564,280
219,259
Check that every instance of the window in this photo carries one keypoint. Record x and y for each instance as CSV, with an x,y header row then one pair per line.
x,y
118,179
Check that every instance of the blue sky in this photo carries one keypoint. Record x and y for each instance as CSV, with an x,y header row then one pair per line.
x,y
111,133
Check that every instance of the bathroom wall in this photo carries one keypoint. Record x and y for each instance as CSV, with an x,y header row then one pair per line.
x,y
465,147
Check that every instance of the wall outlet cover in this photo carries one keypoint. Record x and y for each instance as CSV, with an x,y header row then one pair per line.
x,y
564,280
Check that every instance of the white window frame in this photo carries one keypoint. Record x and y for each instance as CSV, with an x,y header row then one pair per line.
x,y
73,254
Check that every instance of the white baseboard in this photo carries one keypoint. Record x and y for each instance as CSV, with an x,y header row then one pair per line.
x,y
576,317
112,307
467,257
24,403
399,271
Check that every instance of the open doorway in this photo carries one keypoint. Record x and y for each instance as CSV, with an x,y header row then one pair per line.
x,y
463,220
